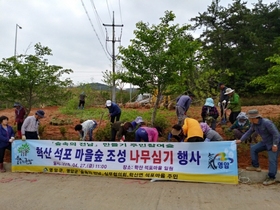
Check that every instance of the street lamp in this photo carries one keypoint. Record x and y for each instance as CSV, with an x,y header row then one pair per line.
x,y
17,26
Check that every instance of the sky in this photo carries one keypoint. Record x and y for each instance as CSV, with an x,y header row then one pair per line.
x,y
74,31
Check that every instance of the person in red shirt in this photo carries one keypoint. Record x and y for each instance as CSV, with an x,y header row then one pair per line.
x,y
19,117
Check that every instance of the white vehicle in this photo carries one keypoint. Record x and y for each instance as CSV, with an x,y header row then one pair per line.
x,y
144,98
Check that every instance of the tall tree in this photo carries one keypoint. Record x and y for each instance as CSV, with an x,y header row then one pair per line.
x,y
30,79
239,39
159,56
269,81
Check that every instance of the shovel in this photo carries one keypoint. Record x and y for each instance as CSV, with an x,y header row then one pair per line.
x,y
224,120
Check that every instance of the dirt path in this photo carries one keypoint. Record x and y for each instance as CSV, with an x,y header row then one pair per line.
x,y
48,192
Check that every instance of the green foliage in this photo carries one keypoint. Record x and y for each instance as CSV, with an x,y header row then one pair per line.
x,y
159,56
70,106
14,129
273,75
41,129
162,122
239,39
63,131
103,133
260,99
228,134
57,121
32,81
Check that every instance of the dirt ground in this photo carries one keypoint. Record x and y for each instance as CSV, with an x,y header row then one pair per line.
x,y
52,132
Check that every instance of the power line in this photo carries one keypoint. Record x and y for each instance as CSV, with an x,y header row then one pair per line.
x,y
108,9
98,19
121,19
120,11
94,29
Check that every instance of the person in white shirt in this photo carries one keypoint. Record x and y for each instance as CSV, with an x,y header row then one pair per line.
x,y
30,126
85,128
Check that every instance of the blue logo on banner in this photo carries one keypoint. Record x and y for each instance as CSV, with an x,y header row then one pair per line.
x,y
219,160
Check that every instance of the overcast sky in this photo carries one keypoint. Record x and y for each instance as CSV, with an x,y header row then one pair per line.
x,y
77,42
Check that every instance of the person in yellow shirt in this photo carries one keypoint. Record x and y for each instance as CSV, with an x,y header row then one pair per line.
x,y
191,130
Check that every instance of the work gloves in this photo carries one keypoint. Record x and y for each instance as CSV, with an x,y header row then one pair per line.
x,y
11,139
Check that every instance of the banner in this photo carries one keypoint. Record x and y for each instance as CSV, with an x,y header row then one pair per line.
x,y
214,162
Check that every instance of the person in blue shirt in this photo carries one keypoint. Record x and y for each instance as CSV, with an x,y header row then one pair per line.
x,y
183,103
114,111
7,136
270,142
136,123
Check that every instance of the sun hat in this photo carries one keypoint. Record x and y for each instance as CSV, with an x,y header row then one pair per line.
x,y
209,102
228,91
16,104
138,120
108,103
253,114
242,116
176,130
40,113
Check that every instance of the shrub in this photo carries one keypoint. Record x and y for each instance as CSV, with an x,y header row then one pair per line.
x,y
15,128
41,129
103,133
161,122
63,131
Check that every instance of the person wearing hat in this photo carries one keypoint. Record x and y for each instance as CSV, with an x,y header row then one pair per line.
x,y
209,113
147,134
30,126
240,126
233,104
136,123
223,102
119,130
19,117
210,134
82,100
270,142
85,128
183,103
114,111
177,133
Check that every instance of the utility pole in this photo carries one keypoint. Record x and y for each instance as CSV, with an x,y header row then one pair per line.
x,y
113,55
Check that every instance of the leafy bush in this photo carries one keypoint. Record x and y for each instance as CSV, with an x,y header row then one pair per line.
x,y
41,129
228,134
15,129
261,99
63,131
103,133
161,122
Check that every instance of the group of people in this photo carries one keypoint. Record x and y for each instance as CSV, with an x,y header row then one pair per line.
x,y
27,128
245,127
120,129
